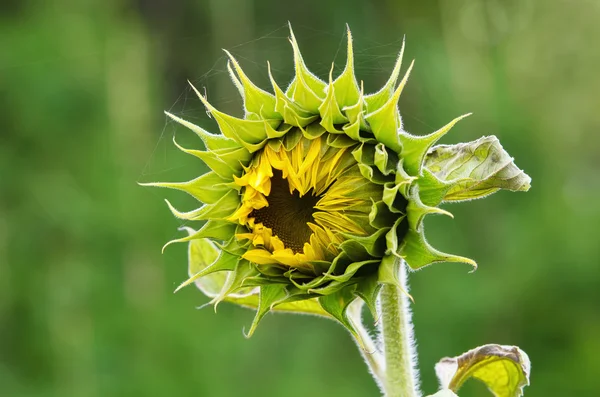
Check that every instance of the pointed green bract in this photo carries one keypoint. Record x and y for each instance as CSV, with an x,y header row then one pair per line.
x,y
389,181
211,141
368,290
313,83
414,148
268,297
337,304
217,230
256,100
292,112
329,109
248,133
207,188
206,266
378,99
212,160
385,121
345,86
223,208
417,252
432,190
209,268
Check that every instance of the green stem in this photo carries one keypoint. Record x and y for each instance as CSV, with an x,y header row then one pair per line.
x,y
368,348
400,368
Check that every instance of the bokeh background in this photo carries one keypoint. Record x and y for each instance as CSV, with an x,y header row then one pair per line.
x,y
86,302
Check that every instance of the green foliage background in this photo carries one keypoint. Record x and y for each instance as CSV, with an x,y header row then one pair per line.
x,y
86,303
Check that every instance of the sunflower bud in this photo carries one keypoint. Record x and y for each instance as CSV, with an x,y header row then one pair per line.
x,y
317,192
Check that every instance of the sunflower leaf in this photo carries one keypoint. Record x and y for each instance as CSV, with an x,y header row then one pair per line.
x,y
504,369
475,169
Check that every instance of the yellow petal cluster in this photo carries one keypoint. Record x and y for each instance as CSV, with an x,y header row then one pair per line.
x,y
311,167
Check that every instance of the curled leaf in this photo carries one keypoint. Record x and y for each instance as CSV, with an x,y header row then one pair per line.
x,y
504,369
475,169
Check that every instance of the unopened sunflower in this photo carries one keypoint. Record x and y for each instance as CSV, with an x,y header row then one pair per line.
x,y
317,196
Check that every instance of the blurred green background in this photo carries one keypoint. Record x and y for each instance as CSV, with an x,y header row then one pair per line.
x,y
86,303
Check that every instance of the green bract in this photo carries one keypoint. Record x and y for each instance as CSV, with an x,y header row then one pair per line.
x,y
316,196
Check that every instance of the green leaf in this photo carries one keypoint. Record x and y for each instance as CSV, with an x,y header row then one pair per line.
x,y
475,169
504,369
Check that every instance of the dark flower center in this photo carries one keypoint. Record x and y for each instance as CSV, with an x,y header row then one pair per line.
x,y
287,214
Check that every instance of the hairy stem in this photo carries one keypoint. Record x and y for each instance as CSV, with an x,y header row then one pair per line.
x,y
368,349
400,361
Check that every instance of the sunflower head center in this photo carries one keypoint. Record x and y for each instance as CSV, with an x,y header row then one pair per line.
x,y
287,214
